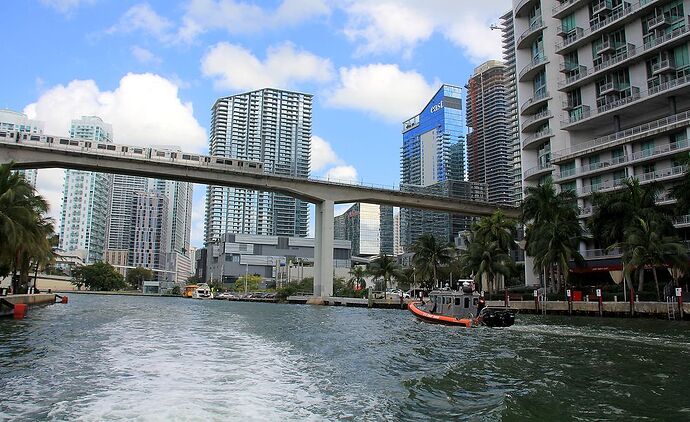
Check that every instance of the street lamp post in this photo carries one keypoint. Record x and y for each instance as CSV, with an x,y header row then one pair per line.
x,y
246,275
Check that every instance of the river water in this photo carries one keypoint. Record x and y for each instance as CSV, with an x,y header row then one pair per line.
x,y
148,358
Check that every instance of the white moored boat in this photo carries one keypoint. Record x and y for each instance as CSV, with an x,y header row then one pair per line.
x,y
203,291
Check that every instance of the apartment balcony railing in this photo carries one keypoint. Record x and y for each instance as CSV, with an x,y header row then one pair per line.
x,y
568,66
577,113
602,253
682,221
529,70
662,174
605,104
565,7
601,187
602,6
600,22
537,137
538,170
533,29
536,100
658,22
664,66
623,136
535,119
652,39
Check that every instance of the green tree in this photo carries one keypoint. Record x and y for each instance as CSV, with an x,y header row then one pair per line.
x,y
100,276
253,282
136,277
356,280
176,290
430,255
646,245
25,231
193,280
497,228
615,212
383,267
484,259
552,233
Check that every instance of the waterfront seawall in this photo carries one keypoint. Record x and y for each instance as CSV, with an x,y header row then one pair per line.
x,y
26,299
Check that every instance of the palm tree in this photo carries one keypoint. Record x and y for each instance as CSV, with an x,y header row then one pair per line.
x,y
497,228
26,232
614,212
357,274
553,231
484,259
430,255
646,245
383,267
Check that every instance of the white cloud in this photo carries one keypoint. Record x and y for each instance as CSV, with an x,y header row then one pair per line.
x,y
383,90
142,17
236,68
322,155
145,56
237,17
144,110
65,6
343,174
395,26
49,183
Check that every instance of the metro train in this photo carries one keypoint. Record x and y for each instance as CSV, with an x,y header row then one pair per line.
x,y
132,151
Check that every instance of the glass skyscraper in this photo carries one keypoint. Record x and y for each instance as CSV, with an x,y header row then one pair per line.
x,y
268,125
12,120
368,227
432,154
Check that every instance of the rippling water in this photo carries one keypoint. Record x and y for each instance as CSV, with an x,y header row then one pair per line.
x,y
140,358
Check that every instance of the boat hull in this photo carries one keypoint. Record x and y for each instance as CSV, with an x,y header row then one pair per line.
x,y
439,319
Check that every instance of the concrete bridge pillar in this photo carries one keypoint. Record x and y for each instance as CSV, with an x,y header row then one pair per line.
x,y
323,250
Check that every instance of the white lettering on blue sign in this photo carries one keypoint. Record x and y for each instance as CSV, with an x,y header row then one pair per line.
x,y
437,107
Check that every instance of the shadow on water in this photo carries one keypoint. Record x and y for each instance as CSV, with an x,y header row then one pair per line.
x,y
165,358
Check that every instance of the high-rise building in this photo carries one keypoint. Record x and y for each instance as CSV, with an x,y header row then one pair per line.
x,y
397,247
603,91
489,155
268,125
368,227
150,235
85,198
171,242
508,39
11,121
431,154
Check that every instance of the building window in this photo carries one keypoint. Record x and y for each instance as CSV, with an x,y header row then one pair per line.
x,y
540,84
570,186
568,24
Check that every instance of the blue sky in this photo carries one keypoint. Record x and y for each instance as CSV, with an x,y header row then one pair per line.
x,y
153,69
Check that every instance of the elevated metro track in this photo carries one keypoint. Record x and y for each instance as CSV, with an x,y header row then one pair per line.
x,y
34,156
38,155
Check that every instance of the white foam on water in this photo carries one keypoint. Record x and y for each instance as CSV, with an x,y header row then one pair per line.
x,y
234,375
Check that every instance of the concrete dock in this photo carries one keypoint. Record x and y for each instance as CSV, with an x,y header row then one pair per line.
x,y
29,300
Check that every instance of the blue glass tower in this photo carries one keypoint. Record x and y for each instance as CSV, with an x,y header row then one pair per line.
x,y
432,160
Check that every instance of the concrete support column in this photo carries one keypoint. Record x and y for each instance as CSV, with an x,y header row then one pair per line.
x,y
323,250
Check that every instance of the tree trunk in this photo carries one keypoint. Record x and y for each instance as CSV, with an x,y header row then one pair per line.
x,y
640,284
435,279
656,282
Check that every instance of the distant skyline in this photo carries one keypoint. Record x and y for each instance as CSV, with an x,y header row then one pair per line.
x,y
154,69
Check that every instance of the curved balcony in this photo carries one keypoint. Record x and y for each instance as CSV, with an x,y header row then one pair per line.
x,y
535,120
538,171
535,102
682,221
522,7
536,65
531,33
536,139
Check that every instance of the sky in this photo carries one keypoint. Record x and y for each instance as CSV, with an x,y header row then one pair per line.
x,y
154,69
